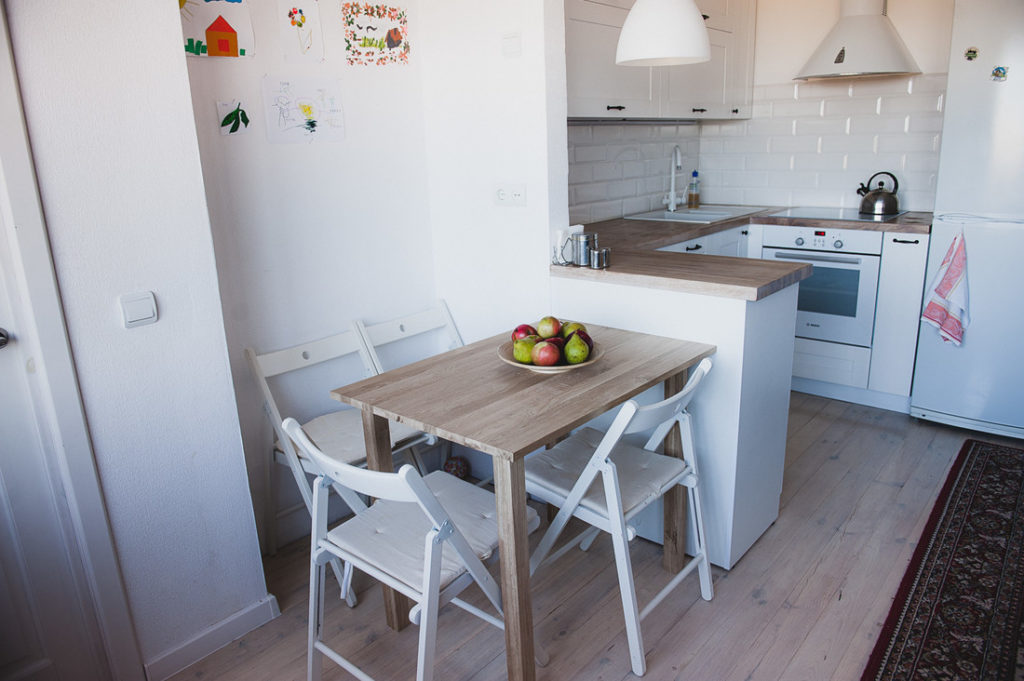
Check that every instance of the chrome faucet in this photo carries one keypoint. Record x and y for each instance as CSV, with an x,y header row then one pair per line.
x,y
677,164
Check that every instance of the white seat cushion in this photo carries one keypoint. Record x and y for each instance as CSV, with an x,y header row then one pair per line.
x,y
390,534
339,435
642,474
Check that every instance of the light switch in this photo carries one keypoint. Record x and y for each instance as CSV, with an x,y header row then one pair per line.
x,y
138,309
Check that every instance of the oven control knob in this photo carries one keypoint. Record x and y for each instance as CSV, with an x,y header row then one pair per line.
x,y
838,244
799,241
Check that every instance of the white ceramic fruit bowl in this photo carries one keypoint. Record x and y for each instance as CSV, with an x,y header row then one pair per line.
x,y
505,355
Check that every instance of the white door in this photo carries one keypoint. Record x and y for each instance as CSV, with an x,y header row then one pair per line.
x,y
45,630
48,627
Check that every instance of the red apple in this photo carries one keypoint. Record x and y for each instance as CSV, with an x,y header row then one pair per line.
x,y
522,331
546,354
549,327
584,336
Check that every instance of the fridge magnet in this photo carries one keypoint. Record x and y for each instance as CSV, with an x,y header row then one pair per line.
x,y
999,73
216,28
375,35
232,117
301,110
971,53
301,34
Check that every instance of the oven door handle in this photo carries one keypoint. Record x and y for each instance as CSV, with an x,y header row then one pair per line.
x,y
843,260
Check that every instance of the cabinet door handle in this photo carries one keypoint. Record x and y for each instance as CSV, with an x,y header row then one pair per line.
x,y
745,232
693,248
699,110
616,108
906,241
735,111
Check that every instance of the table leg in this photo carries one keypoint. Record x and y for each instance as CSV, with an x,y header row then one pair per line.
x,y
377,437
510,493
674,557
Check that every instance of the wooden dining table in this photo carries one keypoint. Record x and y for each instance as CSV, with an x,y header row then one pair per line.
x,y
470,397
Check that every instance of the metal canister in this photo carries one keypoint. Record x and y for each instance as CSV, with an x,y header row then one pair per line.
x,y
582,244
600,258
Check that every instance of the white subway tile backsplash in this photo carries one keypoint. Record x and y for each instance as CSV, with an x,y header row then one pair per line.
x,y
793,144
589,153
797,108
911,104
854,106
880,123
805,144
911,142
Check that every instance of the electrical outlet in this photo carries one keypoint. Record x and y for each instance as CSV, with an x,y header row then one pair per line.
x,y
510,195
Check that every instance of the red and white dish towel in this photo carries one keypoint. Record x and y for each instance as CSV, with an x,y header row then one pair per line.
x,y
947,308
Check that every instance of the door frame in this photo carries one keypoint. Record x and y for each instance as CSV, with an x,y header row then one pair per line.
x,y
54,384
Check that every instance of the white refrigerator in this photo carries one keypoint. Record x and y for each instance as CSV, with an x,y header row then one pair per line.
x,y
980,191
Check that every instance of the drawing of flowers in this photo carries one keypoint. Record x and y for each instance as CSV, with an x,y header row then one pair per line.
x,y
375,35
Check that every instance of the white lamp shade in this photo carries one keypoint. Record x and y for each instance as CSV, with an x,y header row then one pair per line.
x,y
663,33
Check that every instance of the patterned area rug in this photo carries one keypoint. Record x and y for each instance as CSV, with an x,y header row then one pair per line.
x,y
957,614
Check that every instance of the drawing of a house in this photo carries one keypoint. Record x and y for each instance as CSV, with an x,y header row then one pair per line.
x,y
221,39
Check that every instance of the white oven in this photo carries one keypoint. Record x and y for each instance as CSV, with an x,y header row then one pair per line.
x,y
837,302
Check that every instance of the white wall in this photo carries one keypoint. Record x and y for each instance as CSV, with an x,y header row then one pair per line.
x,y
311,236
495,113
108,112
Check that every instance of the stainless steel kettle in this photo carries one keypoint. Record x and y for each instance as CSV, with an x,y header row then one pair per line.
x,y
878,201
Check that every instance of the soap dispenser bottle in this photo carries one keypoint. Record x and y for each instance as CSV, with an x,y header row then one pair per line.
x,y
693,192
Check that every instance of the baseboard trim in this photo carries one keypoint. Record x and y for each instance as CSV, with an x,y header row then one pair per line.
x,y
212,638
869,398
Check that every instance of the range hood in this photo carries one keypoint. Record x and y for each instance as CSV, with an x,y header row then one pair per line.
x,y
862,43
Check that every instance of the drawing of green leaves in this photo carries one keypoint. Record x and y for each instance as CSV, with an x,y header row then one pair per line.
x,y
235,119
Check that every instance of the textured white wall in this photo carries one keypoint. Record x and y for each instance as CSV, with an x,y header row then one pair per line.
x,y
109,117
492,117
311,236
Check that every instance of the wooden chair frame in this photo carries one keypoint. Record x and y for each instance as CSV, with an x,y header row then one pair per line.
x,y
632,418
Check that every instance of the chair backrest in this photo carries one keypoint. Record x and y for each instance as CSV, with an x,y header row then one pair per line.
x,y
404,486
373,336
267,365
391,486
661,416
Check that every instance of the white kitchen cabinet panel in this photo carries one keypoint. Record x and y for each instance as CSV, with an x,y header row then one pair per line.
x,y
718,89
900,291
704,245
732,242
595,86
831,362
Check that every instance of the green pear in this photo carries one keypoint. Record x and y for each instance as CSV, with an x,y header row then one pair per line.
x,y
576,350
522,349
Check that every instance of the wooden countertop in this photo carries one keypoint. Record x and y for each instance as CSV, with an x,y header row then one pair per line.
x,y
637,262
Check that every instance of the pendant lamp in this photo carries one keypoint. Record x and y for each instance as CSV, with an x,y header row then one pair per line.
x,y
663,33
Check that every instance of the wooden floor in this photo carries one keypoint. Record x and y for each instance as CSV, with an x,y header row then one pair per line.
x,y
804,604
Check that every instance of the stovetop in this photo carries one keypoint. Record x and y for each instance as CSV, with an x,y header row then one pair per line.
x,y
851,214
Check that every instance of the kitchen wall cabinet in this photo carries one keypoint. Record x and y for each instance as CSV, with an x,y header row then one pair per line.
x,y
900,292
595,86
717,89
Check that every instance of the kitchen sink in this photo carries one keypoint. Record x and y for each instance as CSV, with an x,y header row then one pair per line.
x,y
701,216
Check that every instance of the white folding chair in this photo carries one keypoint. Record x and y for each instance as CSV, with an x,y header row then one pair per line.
x,y
631,479
374,336
425,537
338,432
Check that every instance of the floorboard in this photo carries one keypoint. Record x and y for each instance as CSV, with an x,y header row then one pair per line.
x,y
806,602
